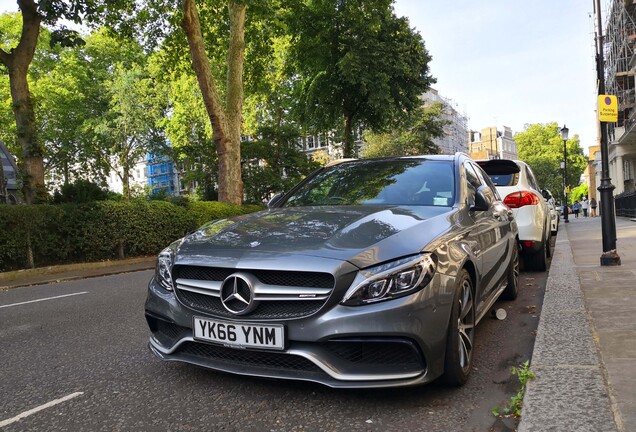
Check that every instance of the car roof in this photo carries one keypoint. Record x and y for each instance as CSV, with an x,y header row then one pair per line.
x,y
440,157
500,166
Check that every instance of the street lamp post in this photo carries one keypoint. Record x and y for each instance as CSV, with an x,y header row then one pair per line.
x,y
610,255
564,165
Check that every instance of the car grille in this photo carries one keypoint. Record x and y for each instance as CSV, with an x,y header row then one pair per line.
x,y
270,277
237,357
265,310
363,357
210,303
166,332
399,354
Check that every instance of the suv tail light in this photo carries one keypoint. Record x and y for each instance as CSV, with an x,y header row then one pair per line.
x,y
521,198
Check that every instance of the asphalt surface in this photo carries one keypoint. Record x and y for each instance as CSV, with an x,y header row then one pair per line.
x,y
90,348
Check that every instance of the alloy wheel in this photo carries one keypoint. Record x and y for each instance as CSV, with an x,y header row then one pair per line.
x,y
466,325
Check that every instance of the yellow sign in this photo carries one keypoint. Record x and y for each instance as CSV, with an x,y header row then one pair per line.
x,y
607,108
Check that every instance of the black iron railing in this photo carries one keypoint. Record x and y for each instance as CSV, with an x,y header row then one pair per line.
x,y
626,204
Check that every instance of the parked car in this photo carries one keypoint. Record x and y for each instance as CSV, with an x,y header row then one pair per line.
x,y
369,273
516,182
554,212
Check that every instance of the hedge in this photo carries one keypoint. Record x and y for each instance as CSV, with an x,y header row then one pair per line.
x,y
41,235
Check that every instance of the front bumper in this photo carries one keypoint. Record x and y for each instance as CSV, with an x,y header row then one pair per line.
x,y
399,342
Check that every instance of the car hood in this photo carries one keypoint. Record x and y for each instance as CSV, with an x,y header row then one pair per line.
x,y
362,235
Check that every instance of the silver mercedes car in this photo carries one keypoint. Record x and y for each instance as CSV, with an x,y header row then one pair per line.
x,y
369,273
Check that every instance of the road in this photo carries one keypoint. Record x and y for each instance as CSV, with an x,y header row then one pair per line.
x,y
74,358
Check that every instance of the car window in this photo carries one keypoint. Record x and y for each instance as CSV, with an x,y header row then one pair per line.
x,y
532,181
485,179
379,182
475,181
501,172
505,179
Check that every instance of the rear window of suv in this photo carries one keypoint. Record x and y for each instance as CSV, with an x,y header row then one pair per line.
x,y
504,179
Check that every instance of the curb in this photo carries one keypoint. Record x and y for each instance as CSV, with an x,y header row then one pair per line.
x,y
44,275
570,390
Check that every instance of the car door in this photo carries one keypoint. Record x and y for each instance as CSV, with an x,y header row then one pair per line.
x,y
492,230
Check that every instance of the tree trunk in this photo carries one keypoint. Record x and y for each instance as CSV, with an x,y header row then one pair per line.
x,y
226,127
235,60
348,150
17,62
125,180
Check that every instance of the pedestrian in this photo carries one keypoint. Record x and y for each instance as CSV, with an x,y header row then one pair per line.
x,y
576,207
593,207
584,206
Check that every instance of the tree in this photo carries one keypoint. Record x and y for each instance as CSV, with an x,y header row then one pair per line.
x,y
541,147
17,61
129,126
225,118
360,64
415,137
225,38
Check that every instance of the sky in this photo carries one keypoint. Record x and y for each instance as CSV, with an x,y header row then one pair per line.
x,y
511,62
508,62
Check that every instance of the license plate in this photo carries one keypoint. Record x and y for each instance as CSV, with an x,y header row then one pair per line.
x,y
240,335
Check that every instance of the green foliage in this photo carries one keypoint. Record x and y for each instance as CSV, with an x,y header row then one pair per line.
x,y
273,163
80,191
413,137
579,192
541,147
359,63
523,374
93,231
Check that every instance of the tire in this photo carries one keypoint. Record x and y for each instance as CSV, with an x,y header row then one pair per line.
x,y
461,333
537,260
512,288
548,244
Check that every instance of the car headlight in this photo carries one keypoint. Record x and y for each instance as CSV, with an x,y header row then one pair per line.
x,y
163,268
391,280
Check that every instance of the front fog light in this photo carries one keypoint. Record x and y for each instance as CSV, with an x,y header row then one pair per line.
x,y
391,280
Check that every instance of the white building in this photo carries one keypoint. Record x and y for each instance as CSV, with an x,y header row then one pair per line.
x,y
455,138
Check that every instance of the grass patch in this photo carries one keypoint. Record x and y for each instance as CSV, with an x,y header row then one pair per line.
x,y
513,408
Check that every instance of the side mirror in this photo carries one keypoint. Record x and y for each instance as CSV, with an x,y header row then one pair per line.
x,y
275,199
482,203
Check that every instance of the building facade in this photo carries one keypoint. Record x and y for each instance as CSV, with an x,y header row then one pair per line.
x,y
491,143
455,138
620,69
9,186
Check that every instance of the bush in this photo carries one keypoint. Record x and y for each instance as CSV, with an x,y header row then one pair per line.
x,y
40,235
81,191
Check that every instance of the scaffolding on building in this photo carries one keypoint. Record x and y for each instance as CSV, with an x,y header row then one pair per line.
x,y
455,138
161,174
618,48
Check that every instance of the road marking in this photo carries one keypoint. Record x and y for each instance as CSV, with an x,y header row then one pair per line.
x,y
44,299
37,409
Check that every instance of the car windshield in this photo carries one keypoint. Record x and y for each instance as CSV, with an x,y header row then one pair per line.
x,y
379,182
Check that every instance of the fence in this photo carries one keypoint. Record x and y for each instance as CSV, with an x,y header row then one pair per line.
x,y
626,204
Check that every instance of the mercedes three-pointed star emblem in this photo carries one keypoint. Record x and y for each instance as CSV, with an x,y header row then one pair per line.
x,y
237,294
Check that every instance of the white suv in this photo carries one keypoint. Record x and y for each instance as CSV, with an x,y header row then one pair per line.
x,y
554,211
516,182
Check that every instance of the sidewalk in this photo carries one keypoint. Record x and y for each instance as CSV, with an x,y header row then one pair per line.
x,y
585,351
59,273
